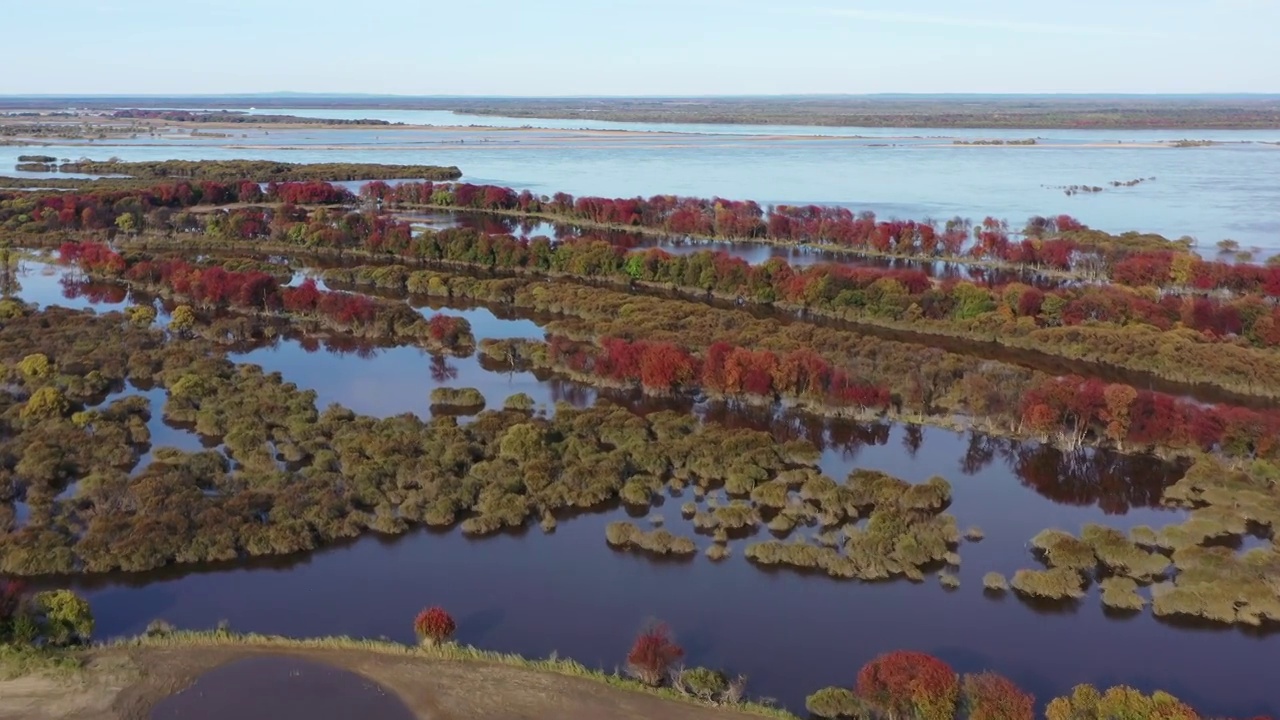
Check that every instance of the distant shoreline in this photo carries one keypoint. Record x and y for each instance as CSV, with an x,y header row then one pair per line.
x,y
968,112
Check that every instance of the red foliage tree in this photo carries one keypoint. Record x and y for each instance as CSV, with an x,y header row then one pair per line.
x,y
906,684
653,654
434,625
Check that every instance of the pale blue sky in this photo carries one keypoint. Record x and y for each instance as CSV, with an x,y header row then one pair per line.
x,y
621,47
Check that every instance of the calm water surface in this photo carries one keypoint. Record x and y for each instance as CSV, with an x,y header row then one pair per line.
x,y
1231,190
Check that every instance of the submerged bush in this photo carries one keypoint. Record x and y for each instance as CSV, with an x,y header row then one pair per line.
x,y
457,397
1121,593
1051,584
660,542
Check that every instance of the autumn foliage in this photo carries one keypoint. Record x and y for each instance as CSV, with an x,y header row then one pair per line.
x,y
653,654
988,696
907,684
434,625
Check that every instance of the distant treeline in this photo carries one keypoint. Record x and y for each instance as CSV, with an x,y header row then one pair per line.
x,y
922,112
230,116
260,170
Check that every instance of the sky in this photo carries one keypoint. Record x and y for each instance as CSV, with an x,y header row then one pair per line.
x,y
640,47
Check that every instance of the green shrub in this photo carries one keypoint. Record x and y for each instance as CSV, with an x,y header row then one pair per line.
x,y
457,397
836,702
1121,593
520,402
703,683
1052,584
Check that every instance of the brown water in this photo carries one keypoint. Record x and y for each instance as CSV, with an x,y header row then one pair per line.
x,y
278,687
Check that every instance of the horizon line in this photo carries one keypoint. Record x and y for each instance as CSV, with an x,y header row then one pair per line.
x,y
449,96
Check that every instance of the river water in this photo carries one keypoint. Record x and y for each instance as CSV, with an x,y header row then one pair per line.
x,y
1227,190
569,593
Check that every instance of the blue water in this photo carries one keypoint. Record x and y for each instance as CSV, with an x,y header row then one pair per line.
x,y
1210,193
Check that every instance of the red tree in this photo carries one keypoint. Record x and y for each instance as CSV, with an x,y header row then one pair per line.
x,y
906,683
434,625
653,654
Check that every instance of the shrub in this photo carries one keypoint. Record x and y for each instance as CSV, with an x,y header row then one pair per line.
x,y
653,654
703,683
1086,702
717,552
988,696
65,618
46,402
434,626
974,534
182,320
995,582
520,401
140,315
159,628
907,683
35,365
1053,584
836,702
948,580
1063,550
457,397
1121,593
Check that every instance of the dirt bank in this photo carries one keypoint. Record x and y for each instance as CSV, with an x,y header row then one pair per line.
x,y
126,683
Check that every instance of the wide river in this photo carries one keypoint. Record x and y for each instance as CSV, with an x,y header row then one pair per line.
x,y
1227,190
568,593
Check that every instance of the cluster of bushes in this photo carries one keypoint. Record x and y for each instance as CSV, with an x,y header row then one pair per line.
x,y
298,478
1071,410
136,209
1193,564
626,536
1096,324
906,529
1168,269
720,369
457,397
916,686
672,334
214,287
863,293
1057,242
1089,323
47,619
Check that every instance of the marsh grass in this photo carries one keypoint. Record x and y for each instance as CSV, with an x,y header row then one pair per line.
x,y
19,661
